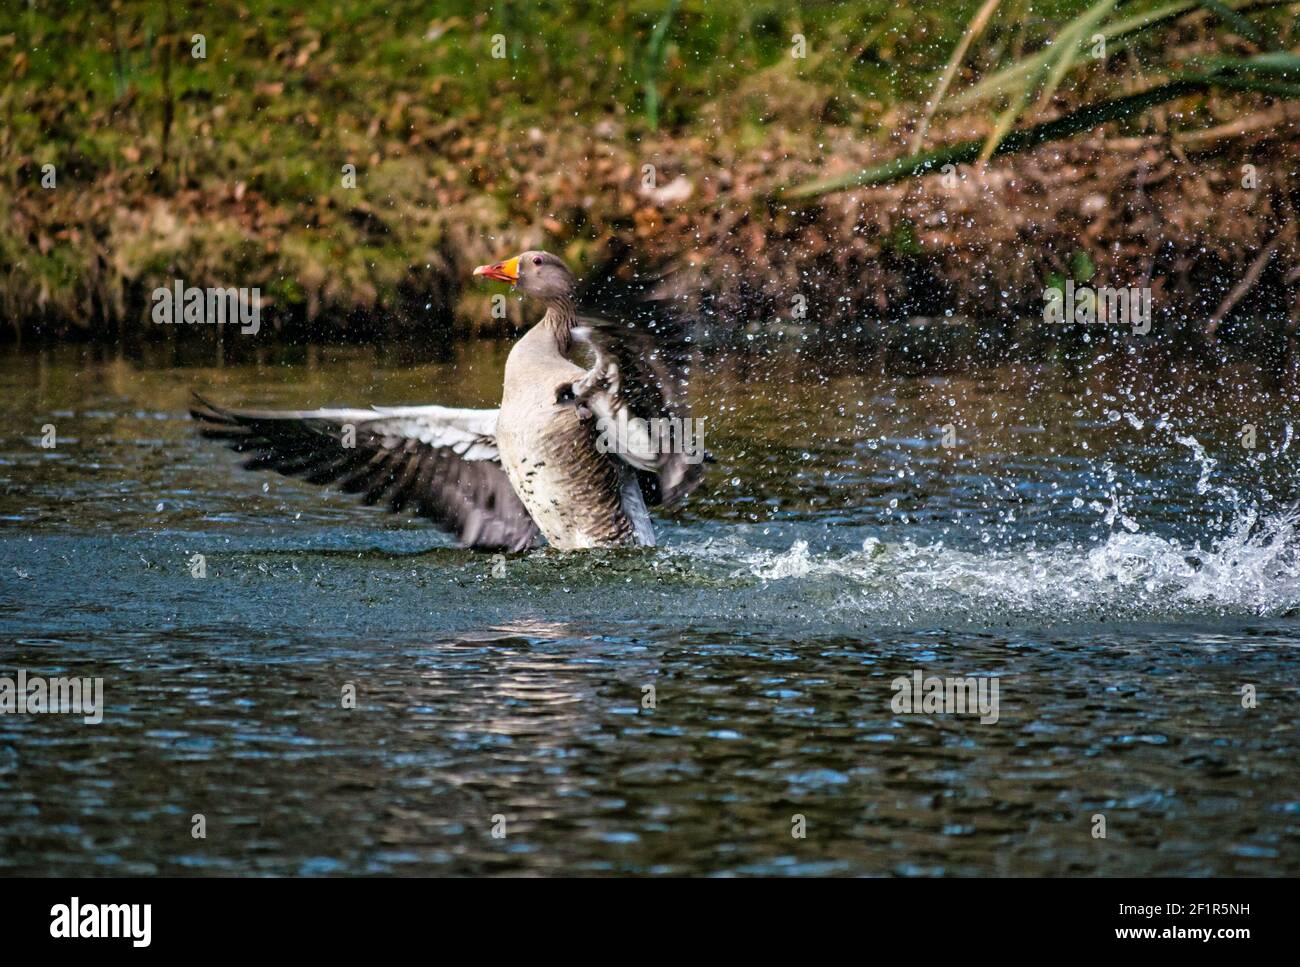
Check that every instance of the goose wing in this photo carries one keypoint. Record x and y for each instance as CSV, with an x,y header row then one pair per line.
x,y
639,339
439,462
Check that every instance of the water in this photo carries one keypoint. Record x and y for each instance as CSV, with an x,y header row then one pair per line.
x,y
1097,537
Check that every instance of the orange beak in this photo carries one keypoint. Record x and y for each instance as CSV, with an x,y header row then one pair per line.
x,y
507,271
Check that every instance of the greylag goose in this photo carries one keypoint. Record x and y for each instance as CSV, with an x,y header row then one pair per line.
x,y
547,464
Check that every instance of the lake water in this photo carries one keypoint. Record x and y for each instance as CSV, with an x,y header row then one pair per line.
x,y
1107,539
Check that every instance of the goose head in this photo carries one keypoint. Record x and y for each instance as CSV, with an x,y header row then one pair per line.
x,y
538,274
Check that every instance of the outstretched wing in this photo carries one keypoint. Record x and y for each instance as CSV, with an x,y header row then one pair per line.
x,y
440,463
642,358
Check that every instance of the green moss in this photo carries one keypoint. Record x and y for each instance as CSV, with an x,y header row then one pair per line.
x,y
1082,267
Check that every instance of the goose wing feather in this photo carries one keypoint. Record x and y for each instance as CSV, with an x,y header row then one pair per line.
x,y
438,462
642,368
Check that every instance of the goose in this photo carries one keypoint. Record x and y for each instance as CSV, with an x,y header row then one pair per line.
x,y
568,458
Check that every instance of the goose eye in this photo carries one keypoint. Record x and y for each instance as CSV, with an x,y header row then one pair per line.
x,y
537,260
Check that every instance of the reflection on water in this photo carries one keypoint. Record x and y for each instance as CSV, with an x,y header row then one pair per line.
x,y
1101,540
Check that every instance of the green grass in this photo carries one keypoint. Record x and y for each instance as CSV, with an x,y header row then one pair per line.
x,y
407,91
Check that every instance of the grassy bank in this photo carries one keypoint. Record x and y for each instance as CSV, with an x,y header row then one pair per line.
x,y
229,169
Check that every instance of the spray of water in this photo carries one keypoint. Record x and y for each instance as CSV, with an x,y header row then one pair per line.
x,y
1248,565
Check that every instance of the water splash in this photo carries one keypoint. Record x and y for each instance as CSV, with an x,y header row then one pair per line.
x,y
1253,570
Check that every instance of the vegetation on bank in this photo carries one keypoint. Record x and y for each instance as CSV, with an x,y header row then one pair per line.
x,y
675,126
